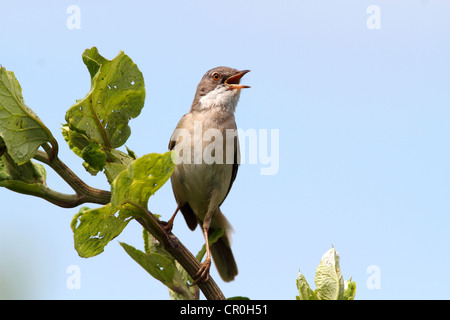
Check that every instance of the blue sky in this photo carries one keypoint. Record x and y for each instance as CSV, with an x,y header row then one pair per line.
x,y
363,119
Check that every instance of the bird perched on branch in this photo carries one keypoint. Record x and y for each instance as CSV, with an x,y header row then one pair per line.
x,y
206,142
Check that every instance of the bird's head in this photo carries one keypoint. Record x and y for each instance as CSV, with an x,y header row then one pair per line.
x,y
219,88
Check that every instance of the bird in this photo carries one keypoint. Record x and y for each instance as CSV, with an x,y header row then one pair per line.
x,y
200,185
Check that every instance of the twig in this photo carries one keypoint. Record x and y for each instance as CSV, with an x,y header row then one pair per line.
x,y
84,193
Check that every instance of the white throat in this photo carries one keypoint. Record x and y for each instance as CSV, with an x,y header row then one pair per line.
x,y
221,97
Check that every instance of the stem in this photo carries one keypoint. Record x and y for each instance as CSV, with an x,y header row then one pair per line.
x,y
187,260
52,152
84,193
44,192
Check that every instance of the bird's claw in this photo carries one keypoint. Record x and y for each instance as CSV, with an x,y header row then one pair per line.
x,y
202,274
166,226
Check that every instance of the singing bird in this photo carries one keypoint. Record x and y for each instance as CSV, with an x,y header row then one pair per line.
x,y
200,185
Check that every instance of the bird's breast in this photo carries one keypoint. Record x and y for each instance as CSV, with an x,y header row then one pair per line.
x,y
205,162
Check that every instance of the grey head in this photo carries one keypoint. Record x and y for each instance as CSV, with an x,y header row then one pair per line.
x,y
219,88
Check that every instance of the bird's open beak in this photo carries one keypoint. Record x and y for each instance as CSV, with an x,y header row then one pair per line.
x,y
233,81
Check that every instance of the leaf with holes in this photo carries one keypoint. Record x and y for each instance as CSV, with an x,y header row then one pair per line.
x,y
116,96
141,179
93,229
21,129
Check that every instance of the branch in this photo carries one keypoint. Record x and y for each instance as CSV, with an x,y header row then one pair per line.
x,y
44,192
172,245
84,193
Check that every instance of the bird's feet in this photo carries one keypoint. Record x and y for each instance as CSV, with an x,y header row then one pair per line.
x,y
202,273
167,226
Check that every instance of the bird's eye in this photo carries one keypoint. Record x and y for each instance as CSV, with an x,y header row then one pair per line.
x,y
216,76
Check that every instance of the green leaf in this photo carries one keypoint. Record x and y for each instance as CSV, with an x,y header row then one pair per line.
x,y
141,179
4,175
131,153
304,290
94,156
88,150
98,123
28,178
21,129
329,282
117,95
76,141
350,290
163,267
29,172
158,265
116,162
93,229
181,289
97,157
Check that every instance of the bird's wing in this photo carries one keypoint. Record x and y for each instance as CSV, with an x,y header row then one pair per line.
x,y
185,209
174,137
237,160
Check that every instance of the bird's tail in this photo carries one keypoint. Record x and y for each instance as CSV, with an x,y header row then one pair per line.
x,y
224,259
221,251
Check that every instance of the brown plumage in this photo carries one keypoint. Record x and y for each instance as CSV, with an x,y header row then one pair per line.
x,y
203,177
